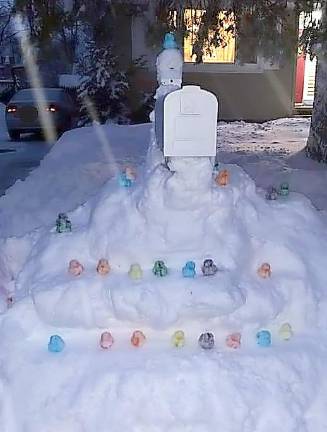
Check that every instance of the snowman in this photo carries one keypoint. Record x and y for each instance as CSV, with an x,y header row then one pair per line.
x,y
184,135
169,66
185,116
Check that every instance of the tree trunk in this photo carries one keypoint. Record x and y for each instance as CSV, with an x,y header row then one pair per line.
x,y
317,142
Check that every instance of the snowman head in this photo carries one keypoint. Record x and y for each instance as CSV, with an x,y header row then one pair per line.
x,y
170,63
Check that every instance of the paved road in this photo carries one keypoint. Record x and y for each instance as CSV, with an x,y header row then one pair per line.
x,y
17,159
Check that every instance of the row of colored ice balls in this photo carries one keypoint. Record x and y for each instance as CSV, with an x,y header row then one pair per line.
x,y
127,177
208,268
63,224
206,340
135,272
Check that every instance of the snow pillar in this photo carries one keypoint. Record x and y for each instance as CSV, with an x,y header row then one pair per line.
x,y
169,76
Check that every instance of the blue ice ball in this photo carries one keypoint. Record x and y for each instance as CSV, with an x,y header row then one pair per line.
x,y
56,344
264,338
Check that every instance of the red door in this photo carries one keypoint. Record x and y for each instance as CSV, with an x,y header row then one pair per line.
x,y
299,81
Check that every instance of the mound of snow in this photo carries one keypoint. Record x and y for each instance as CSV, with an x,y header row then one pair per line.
x,y
176,214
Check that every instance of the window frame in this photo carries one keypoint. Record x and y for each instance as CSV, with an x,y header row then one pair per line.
x,y
259,67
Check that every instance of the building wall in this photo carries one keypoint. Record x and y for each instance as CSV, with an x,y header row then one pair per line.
x,y
254,92
249,96
242,96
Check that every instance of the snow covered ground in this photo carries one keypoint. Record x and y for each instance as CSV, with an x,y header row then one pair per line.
x,y
273,152
174,217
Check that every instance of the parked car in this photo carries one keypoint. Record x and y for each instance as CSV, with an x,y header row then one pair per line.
x,y
23,111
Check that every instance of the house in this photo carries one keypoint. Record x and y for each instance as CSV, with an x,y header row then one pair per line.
x,y
7,78
254,90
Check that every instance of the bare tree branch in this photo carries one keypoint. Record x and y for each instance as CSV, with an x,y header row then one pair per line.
x,y
6,15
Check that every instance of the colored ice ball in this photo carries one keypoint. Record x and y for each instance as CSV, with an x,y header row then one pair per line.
x,y
138,339
160,269
63,224
130,173
75,268
234,340
207,340
264,270
178,339
284,189
106,340
135,272
103,267
285,332
209,268
189,269
56,344
271,194
264,338
222,179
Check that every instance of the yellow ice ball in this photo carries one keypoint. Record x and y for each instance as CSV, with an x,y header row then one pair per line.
x,y
285,332
135,272
178,339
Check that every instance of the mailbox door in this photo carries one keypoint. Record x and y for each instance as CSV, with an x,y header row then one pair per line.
x,y
190,123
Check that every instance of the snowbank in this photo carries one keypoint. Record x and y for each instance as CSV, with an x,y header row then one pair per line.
x,y
77,166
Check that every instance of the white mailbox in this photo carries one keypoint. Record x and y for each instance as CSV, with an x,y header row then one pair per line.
x,y
186,122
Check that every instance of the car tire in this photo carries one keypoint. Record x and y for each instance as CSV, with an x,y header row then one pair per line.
x,y
39,135
14,135
63,129
59,132
67,126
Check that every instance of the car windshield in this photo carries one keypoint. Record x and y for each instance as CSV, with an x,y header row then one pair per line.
x,y
28,95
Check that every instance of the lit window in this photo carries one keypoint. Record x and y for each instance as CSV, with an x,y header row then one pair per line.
x,y
223,54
